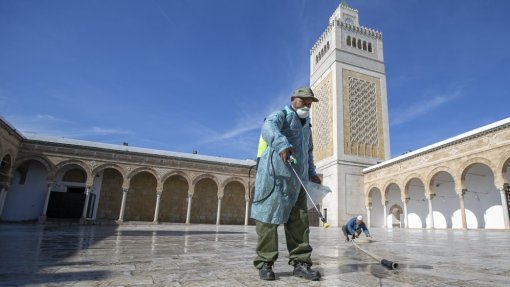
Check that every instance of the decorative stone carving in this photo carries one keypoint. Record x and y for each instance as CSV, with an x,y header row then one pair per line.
x,y
323,118
363,132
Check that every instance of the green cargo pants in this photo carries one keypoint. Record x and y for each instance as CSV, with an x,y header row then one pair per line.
x,y
297,233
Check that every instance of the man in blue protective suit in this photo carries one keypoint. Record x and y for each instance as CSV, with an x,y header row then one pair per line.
x,y
353,228
279,197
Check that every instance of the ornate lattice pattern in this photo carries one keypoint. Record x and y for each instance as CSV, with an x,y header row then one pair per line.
x,y
363,128
363,112
322,119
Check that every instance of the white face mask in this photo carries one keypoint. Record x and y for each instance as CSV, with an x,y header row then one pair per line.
x,y
303,112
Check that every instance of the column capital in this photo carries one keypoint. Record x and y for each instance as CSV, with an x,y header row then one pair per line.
x,y
461,192
504,188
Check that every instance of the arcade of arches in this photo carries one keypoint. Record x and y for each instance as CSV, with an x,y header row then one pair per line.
x,y
50,179
460,183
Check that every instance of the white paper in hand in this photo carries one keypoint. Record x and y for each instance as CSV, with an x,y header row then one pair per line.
x,y
316,191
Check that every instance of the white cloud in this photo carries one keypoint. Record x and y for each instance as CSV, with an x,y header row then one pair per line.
x,y
53,126
107,131
422,107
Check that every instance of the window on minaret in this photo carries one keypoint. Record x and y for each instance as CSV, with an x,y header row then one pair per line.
x,y
354,42
365,45
370,47
348,40
359,44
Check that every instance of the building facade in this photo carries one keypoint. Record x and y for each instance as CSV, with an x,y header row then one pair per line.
x,y
462,182
351,118
44,177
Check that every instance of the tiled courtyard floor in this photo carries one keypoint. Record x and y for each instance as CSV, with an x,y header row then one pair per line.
x,y
209,255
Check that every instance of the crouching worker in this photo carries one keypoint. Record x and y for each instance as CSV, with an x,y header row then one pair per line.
x,y
279,197
353,228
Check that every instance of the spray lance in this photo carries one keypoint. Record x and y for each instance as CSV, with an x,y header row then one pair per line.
x,y
293,161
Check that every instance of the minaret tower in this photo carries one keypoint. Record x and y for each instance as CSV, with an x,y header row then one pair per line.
x,y
350,121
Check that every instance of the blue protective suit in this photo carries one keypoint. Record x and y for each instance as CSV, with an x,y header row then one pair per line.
x,y
276,186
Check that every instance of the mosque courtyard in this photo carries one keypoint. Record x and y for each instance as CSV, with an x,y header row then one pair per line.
x,y
140,254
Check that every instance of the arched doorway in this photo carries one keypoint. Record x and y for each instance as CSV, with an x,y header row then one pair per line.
x,y
27,193
233,204
174,200
204,205
110,198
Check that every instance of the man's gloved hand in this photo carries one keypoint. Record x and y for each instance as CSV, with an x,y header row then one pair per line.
x,y
316,179
285,154
353,237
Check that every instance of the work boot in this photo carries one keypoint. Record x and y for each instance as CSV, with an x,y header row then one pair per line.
x,y
266,272
302,269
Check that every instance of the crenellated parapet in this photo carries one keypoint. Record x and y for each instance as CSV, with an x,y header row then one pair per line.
x,y
360,30
323,37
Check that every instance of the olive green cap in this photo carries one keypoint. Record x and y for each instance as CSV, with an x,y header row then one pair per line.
x,y
305,92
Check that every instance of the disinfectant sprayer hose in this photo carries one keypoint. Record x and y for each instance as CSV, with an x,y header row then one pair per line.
x,y
384,262
325,223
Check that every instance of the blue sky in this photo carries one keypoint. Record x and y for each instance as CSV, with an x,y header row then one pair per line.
x,y
201,75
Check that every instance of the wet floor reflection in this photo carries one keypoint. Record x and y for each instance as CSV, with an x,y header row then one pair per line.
x,y
198,255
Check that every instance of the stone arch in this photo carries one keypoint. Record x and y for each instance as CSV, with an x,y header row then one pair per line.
x,y
110,194
204,205
174,197
143,169
205,175
375,202
467,164
6,163
42,160
481,197
387,184
501,169
28,188
141,197
179,173
395,211
102,167
368,194
66,163
434,172
391,198
233,179
407,181
233,202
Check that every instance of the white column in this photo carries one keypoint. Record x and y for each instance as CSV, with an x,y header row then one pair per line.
x,y
3,196
504,204
86,203
431,211
123,205
406,222
218,213
188,213
368,216
462,208
42,218
385,218
246,212
156,212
